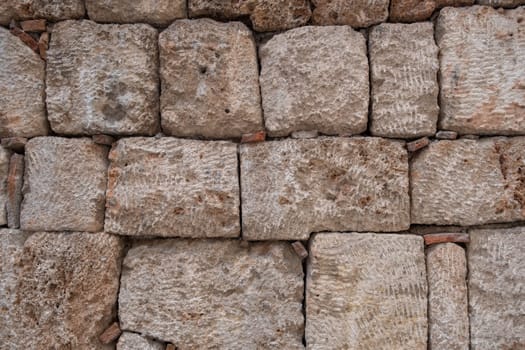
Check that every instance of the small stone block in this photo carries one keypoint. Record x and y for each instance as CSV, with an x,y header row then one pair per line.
x,y
103,139
435,238
16,144
34,25
300,249
43,45
170,347
446,135
418,144
254,137
305,134
110,334
15,180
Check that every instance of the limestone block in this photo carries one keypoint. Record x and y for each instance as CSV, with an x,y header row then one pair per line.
x,y
501,3
134,341
469,182
366,291
448,299
311,83
216,294
15,181
404,65
482,70
173,188
209,76
356,13
53,10
420,10
4,174
22,110
291,188
157,12
102,79
496,265
64,185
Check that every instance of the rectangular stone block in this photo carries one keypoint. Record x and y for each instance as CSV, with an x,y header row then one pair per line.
x,y
4,174
157,12
404,65
291,188
417,10
366,291
482,70
216,294
501,3
53,10
210,80
496,287
355,13
15,181
173,188
102,79
64,185
469,182
311,83
134,341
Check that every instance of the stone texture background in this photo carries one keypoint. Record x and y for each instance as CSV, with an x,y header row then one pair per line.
x,y
262,174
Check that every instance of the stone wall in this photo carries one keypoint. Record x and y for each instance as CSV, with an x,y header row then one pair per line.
x,y
262,174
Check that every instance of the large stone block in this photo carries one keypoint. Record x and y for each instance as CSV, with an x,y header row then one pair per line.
x,y
102,79
418,10
482,70
356,13
448,300
214,294
404,65
173,188
501,3
496,265
64,185
22,109
291,188
265,15
469,182
158,12
210,83
366,291
53,10
311,83
134,341
60,289
4,173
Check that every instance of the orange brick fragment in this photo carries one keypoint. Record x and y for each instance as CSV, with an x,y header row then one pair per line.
x,y
259,136
435,238
110,334
34,25
418,144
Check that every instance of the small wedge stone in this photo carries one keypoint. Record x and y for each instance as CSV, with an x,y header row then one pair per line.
x,y
4,175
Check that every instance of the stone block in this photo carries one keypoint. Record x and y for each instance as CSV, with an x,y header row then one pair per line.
x,y
418,10
134,341
5,156
157,12
355,13
15,180
53,10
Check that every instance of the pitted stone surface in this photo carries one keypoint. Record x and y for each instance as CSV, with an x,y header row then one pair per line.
x,y
134,341
311,83
404,65
210,83
482,70
61,289
496,265
417,10
366,291
356,13
53,10
22,110
265,15
214,294
291,188
158,12
448,299
469,182
102,79
64,185
173,188
4,172
501,3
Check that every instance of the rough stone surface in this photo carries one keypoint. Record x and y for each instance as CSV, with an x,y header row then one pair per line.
x,y
173,188
404,65
4,173
22,110
420,10
366,291
60,289
158,12
311,83
64,185
291,188
15,180
134,341
209,78
448,300
214,294
501,3
265,15
356,13
53,10
496,265
102,79
482,70
469,182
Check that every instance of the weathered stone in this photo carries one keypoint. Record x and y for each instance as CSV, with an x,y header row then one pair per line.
x,y
259,136
102,79
420,10
22,110
25,38
64,185
501,3
469,182
311,83
404,65
214,294
173,188
103,139
447,299
4,175
210,83
110,334
496,287
43,43
15,180
291,188
418,144
60,289
265,15
158,12
482,70
34,25
53,10
356,13
16,144
366,291
436,238
311,134
446,135
299,249
133,341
